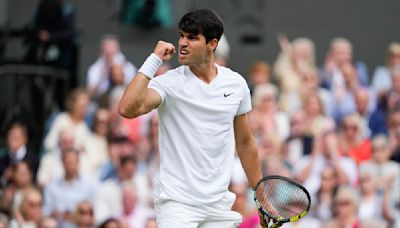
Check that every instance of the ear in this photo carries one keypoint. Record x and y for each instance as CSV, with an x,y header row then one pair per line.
x,y
212,44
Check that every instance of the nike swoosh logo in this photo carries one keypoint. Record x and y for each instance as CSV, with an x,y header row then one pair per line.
x,y
227,94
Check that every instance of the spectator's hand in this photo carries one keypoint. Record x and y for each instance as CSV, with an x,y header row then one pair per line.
x,y
164,50
283,42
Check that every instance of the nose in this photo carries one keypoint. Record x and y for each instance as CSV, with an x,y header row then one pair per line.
x,y
182,41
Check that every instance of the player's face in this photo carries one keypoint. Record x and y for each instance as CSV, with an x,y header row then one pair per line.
x,y
193,49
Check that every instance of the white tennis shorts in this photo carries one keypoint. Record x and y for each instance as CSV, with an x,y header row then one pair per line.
x,y
173,214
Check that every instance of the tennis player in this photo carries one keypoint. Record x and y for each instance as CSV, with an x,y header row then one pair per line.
x,y
202,111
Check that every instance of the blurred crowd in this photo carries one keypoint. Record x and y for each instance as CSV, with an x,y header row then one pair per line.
x,y
335,128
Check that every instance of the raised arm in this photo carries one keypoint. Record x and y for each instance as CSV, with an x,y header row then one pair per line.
x,y
138,99
247,150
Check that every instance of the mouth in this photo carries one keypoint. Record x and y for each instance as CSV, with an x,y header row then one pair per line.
x,y
183,52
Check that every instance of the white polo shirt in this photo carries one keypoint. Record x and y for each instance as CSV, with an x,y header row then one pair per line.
x,y
196,136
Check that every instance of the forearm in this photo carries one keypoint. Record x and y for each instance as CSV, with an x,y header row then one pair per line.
x,y
249,158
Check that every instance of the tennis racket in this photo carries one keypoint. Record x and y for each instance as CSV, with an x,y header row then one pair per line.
x,y
280,199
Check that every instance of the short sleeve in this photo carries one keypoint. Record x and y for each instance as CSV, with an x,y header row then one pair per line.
x,y
158,87
245,103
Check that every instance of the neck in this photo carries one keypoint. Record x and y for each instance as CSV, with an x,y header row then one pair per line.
x,y
206,71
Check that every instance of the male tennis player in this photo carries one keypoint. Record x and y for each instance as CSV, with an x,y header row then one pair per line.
x,y
202,113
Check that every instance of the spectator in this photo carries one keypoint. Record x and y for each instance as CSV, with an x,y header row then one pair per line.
x,y
22,179
373,121
325,152
393,123
17,150
108,196
74,118
30,210
95,153
345,208
391,99
323,200
293,58
83,215
265,117
381,79
299,142
353,143
381,168
62,196
340,51
260,73
133,214
345,95
98,80
372,203
315,118
51,163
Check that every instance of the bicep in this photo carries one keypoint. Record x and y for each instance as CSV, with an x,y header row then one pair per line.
x,y
152,100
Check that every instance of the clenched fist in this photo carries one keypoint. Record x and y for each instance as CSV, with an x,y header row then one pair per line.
x,y
164,50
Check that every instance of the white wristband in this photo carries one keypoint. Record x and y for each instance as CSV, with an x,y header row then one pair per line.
x,y
151,65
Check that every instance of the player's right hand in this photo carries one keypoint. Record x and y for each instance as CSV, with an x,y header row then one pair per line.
x,y
164,50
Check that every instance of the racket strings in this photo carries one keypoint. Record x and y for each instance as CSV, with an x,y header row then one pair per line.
x,y
281,198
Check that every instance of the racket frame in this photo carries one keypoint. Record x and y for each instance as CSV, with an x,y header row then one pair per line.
x,y
279,219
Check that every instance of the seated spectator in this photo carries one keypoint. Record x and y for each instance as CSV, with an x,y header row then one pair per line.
x,y
95,153
74,118
345,208
293,57
83,215
372,202
22,179
17,150
265,117
299,142
98,76
381,168
133,213
344,96
325,152
381,79
109,194
51,167
323,200
340,51
62,196
260,73
374,121
353,143
30,210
